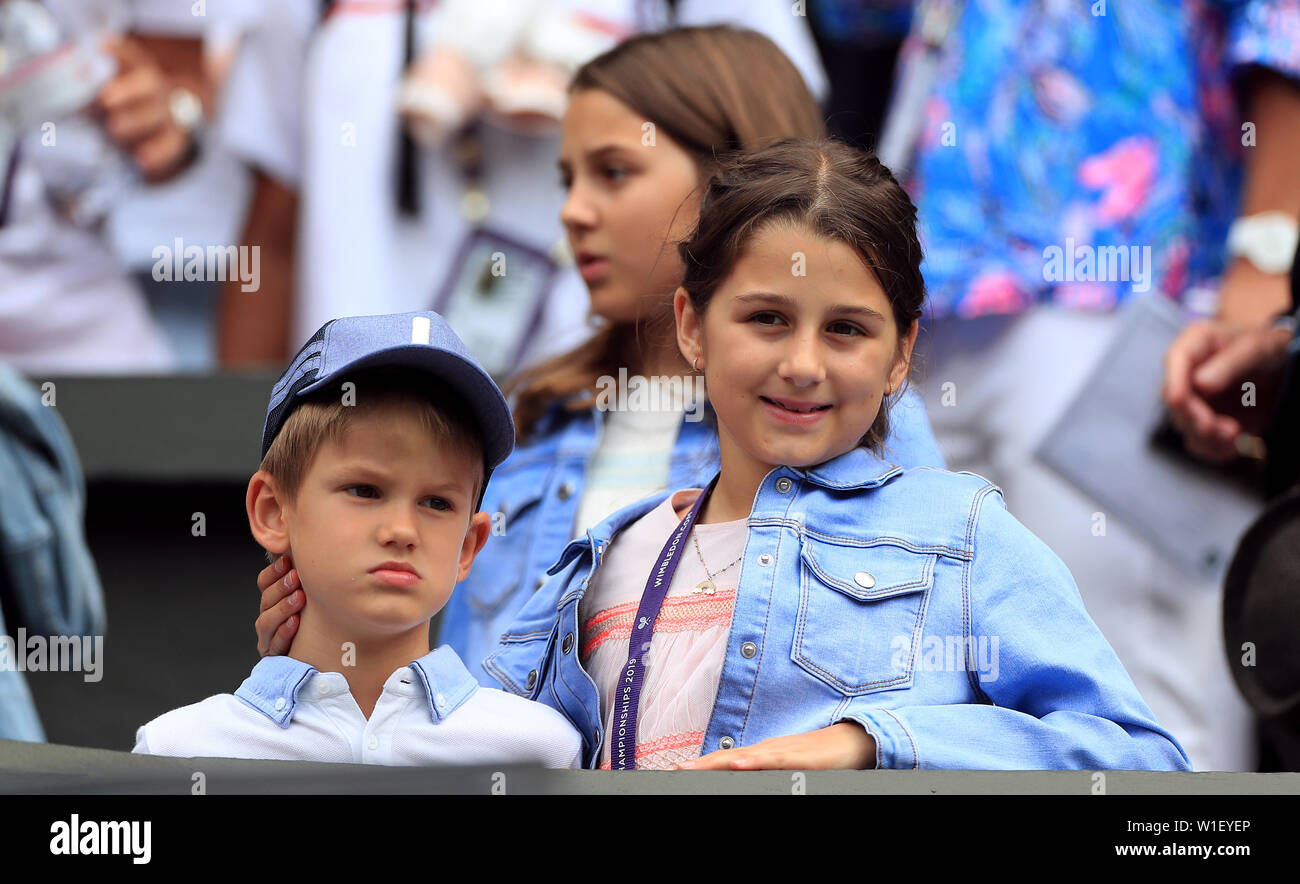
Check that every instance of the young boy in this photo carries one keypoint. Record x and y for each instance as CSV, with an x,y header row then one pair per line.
x,y
379,440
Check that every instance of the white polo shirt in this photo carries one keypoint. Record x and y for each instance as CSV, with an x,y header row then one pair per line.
x,y
431,712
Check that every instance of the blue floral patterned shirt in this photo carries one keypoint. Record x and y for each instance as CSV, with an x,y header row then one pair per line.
x,y
1076,158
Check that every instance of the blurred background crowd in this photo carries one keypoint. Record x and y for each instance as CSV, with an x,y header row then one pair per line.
x,y
1107,193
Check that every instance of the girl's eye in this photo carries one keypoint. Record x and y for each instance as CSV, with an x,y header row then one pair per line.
x,y
369,492
614,173
439,503
766,318
845,328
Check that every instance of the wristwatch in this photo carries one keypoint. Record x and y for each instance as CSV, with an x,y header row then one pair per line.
x,y
187,112
1267,240
186,108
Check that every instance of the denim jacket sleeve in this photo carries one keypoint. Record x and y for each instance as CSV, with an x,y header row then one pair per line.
x,y
49,582
524,662
1057,698
54,586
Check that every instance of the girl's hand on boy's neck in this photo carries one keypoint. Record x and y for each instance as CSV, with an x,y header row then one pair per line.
x,y
845,745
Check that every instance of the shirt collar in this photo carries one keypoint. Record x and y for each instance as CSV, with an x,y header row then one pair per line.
x,y
272,687
447,683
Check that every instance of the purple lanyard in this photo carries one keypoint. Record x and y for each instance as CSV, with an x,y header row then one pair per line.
x,y
622,750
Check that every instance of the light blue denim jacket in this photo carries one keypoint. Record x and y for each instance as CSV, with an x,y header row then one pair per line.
x,y
909,601
54,587
534,499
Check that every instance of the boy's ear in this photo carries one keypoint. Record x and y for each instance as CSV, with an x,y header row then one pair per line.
x,y
480,525
903,363
689,340
265,507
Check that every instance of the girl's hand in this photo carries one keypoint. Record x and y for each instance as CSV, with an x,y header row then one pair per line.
x,y
843,746
282,599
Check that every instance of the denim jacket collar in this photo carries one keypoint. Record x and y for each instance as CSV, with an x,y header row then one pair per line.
x,y
273,686
857,468
599,535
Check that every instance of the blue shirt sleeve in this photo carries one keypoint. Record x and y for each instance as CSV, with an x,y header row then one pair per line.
x,y
1265,33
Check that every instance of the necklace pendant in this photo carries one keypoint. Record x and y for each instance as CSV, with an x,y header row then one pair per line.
x,y
705,587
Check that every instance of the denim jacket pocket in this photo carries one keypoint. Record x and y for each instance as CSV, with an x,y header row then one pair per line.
x,y
854,604
505,563
520,662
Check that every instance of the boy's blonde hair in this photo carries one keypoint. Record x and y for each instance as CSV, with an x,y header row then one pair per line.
x,y
327,416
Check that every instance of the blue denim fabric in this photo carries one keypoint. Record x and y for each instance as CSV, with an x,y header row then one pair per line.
x,y
535,496
876,594
54,587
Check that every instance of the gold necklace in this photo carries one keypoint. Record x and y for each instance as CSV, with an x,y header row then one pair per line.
x,y
707,586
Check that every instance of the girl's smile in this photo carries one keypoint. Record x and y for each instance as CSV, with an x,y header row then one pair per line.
x,y
794,411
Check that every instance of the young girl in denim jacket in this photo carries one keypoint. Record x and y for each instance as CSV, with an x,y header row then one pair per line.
x,y
819,606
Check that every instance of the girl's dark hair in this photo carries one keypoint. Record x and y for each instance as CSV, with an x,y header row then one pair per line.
x,y
711,90
828,188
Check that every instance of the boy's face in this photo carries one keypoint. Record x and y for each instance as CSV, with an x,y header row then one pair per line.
x,y
382,526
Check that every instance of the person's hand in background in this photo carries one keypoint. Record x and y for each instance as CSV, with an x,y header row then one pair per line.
x,y
136,109
1205,371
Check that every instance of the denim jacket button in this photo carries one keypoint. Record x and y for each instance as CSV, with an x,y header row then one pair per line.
x,y
532,680
541,580
783,485
765,559
565,491
726,743
864,580
567,645
748,649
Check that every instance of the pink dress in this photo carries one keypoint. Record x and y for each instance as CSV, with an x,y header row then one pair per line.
x,y
684,663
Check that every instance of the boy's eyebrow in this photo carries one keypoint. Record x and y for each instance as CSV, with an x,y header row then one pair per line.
x,y
790,303
370,470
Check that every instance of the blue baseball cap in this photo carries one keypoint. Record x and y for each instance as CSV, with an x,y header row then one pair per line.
x,y
422,342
